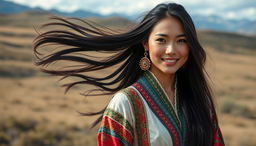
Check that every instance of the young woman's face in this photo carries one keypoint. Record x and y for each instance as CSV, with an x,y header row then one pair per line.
x,y
167,46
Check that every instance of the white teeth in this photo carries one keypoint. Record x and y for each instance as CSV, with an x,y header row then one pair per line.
x,y
170,60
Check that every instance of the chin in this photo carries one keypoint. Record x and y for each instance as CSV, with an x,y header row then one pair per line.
x,y
169,70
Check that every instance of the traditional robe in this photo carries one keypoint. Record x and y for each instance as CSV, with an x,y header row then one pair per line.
x,y
143,115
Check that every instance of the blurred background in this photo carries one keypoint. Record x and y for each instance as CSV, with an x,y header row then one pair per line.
x,y
34,111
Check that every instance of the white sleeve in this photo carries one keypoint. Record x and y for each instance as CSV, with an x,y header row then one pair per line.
x,y
121,104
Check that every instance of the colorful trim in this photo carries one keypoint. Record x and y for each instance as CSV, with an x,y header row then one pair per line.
x,y
118,118
141,123
152,92
218,138
160,114
115,130
158,100
158,89
106,139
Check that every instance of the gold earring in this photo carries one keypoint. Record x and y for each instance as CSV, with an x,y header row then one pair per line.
x,y
145,62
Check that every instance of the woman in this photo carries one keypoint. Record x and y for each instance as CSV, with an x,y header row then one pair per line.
x,y
161,95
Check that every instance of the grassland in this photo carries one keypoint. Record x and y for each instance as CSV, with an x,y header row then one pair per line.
x,y
35,111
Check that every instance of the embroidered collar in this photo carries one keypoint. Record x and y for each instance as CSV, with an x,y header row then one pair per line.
x,y
157,99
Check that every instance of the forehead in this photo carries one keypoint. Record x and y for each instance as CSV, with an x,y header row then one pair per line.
x,y
168,25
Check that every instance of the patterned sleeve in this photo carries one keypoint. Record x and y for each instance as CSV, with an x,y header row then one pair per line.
x,y
116,126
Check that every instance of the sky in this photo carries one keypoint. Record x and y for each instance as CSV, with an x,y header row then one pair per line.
x,y
231,9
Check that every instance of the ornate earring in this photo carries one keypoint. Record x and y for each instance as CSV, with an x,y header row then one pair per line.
x,y
145,62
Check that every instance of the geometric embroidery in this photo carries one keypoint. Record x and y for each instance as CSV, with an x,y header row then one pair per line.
x,y
114,129
140,115
159,104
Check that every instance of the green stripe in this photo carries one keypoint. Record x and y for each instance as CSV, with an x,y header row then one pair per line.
x,y
167,110
136,116
162,106
160,93
157,94
114,134
118,118
138,124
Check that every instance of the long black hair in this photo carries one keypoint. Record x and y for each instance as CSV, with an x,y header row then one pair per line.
x,y
193,90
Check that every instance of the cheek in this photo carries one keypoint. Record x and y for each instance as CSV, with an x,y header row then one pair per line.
x,y
185,55
155,53
184,52
155,50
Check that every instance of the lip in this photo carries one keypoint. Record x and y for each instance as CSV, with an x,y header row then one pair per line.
x,y
169,61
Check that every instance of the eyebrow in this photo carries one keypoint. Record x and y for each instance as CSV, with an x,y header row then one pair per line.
x,y
165,35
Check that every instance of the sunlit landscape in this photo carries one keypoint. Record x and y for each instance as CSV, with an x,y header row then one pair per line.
x,y
35,111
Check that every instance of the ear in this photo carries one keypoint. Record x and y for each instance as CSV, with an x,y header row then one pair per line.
x,y
145,45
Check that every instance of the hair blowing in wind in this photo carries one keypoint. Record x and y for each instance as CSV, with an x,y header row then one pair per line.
x,y
192,88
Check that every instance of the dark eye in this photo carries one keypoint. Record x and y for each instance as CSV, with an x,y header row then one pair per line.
x,y
182,41
161,40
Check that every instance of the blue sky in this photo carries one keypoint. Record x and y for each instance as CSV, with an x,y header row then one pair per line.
x,y
233,9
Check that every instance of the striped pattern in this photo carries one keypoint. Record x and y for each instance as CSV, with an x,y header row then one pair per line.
x,y
115,130
152,92
141,123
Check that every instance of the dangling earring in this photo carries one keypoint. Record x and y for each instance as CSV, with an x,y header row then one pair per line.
x,y
145,62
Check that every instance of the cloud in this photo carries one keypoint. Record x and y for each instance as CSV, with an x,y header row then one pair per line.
x,y
250,13
48,4
230,9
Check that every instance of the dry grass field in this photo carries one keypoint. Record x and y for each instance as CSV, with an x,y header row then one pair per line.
x,y
34,111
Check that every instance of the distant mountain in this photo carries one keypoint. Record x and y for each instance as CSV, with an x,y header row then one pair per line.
x,y
30,19
214,22
202,22
7,7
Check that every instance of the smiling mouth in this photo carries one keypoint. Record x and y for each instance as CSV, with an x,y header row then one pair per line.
x,y
169,60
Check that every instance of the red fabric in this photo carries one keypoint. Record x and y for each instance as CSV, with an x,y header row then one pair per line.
x,y
218,140
118,128
141,119
107,140
159,114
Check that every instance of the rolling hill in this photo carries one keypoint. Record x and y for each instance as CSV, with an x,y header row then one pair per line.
x,y
34,109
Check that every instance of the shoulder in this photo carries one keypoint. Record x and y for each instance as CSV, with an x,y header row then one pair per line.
x,y
123,98
119,100
120,104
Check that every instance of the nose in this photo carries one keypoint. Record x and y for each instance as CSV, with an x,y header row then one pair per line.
x,y
170,49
